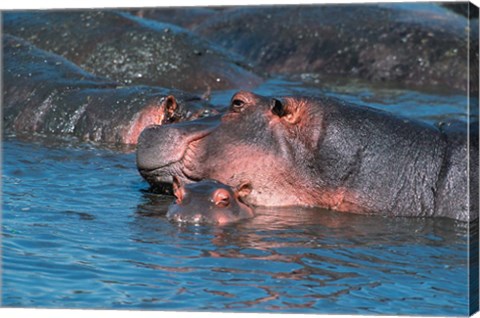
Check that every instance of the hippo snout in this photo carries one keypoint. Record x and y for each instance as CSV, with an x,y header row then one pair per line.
x,y
191,219
149,148
163,145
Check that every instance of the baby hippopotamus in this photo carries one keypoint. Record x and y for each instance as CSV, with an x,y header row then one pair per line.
x,y
209,202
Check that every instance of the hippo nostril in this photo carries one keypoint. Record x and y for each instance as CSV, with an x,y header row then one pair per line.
x,y
277,107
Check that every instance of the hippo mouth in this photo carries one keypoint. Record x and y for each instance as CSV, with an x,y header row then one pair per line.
x,y
169,150
196,219
161,182
161,178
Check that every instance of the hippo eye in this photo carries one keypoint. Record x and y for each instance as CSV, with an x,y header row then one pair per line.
x,y
221,198
278,108
205,113
237,105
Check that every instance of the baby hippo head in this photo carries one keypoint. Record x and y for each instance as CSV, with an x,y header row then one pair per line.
x,y
209,202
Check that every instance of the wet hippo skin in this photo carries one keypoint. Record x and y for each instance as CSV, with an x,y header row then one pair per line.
x,y
186,17
131,50
47,94
210,202
300,151
418,45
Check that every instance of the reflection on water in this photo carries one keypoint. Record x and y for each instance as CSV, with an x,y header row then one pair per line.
x,y
293,259
81,230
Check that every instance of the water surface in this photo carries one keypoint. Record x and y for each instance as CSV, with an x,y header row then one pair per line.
x,y
81,230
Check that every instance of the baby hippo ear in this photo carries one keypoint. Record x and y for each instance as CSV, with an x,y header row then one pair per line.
x,y
178,190
170,106
243,189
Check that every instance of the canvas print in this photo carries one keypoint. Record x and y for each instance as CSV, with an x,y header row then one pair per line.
x,y
315,159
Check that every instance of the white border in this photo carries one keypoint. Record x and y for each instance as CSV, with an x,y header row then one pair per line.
x,y
85,4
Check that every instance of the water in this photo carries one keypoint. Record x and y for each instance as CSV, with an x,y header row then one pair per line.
x,y
81,230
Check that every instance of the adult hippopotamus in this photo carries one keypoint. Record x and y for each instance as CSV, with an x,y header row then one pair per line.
x,y
132,50
208,201
301,151
47,94
185,17
415,44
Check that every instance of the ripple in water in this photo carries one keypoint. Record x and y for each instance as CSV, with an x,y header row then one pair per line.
x,y
80,230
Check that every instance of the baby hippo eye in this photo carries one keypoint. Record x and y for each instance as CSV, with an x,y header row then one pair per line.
x,y
237,105
221,198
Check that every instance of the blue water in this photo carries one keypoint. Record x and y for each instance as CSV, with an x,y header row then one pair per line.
x,y
81,230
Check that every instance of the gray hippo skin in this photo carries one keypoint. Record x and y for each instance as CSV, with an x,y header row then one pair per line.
x,y
300,151
208,202
185,17
132,50
47,94
414,45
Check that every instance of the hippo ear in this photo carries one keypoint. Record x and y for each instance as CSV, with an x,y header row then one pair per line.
x,y
286,109
170,106
178,190
243,189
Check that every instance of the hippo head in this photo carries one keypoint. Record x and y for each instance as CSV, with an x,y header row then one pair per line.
x,y
298,151
208,201
163,110
268,141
